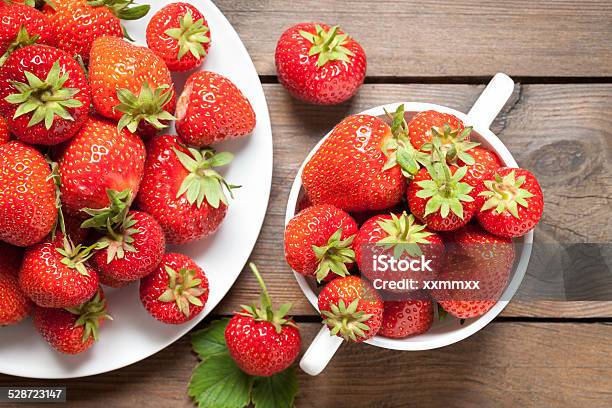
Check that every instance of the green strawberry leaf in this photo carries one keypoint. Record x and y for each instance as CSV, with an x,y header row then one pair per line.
x,y
277,391
210,341
218,382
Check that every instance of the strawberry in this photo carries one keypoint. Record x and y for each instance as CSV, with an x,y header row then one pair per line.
x,y
406,318
132,85
179,34
425,125
43,94
440,197
261,340
351,308
111,282
319,64
212,109
10,259
97,159
182,191
510,202
5,135
14,305
484,161
27,195
79,22
73,229
73,330
134,242
348,170
474,255
398,237
54,273
22,25
318,242
176,291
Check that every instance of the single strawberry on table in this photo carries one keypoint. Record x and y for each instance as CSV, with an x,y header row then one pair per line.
x,y
44,95
351,308
132,85
27,195
180,35
263,341
212,109
133,243
348,170
97,159
176,291
22,25
509,202
55,273
319,64
318,242
182,190
72,330
77,23
406,318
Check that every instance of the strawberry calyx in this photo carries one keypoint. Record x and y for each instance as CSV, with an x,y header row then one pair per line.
x,y
404,234
453,144
505,193
203,182
22,39
74,257
44,99
328,45
346,320
445,191
264,312
123,9
399,150
148,106
89,315
334,256
57,184
190,36
184,289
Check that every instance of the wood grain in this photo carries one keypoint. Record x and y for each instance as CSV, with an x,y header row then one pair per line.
x,y
504,365
434,38
561,132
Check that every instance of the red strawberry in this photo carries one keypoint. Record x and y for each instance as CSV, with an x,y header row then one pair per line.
x,y
132,85
111,282
440,197
320,64
14,305
97,159
348,170
22,25
5,135
474,255
263,341
10,259
79,22
351,308
55,273
211,109
179,34
484,161
134,243
73,330
420,127
400,238
27,195
176,291
182,191
406,318
44,95
510,202
318,242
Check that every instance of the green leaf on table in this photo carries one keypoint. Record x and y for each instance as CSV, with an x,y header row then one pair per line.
x,y
277,391
210,341
217,382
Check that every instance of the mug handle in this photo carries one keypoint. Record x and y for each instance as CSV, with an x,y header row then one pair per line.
x,y
491,101
320,352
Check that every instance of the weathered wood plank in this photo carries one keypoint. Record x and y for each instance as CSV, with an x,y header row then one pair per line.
x,y
445,38
504,365
561,132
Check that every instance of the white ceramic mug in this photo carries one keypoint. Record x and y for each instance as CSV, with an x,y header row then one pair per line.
x,y
449,330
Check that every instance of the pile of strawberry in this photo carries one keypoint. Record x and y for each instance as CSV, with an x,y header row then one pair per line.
x,y
90,194
410,188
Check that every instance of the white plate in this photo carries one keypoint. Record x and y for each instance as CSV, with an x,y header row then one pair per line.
x,y
134,335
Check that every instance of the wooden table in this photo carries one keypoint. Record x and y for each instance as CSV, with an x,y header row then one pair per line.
x,y
558,124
